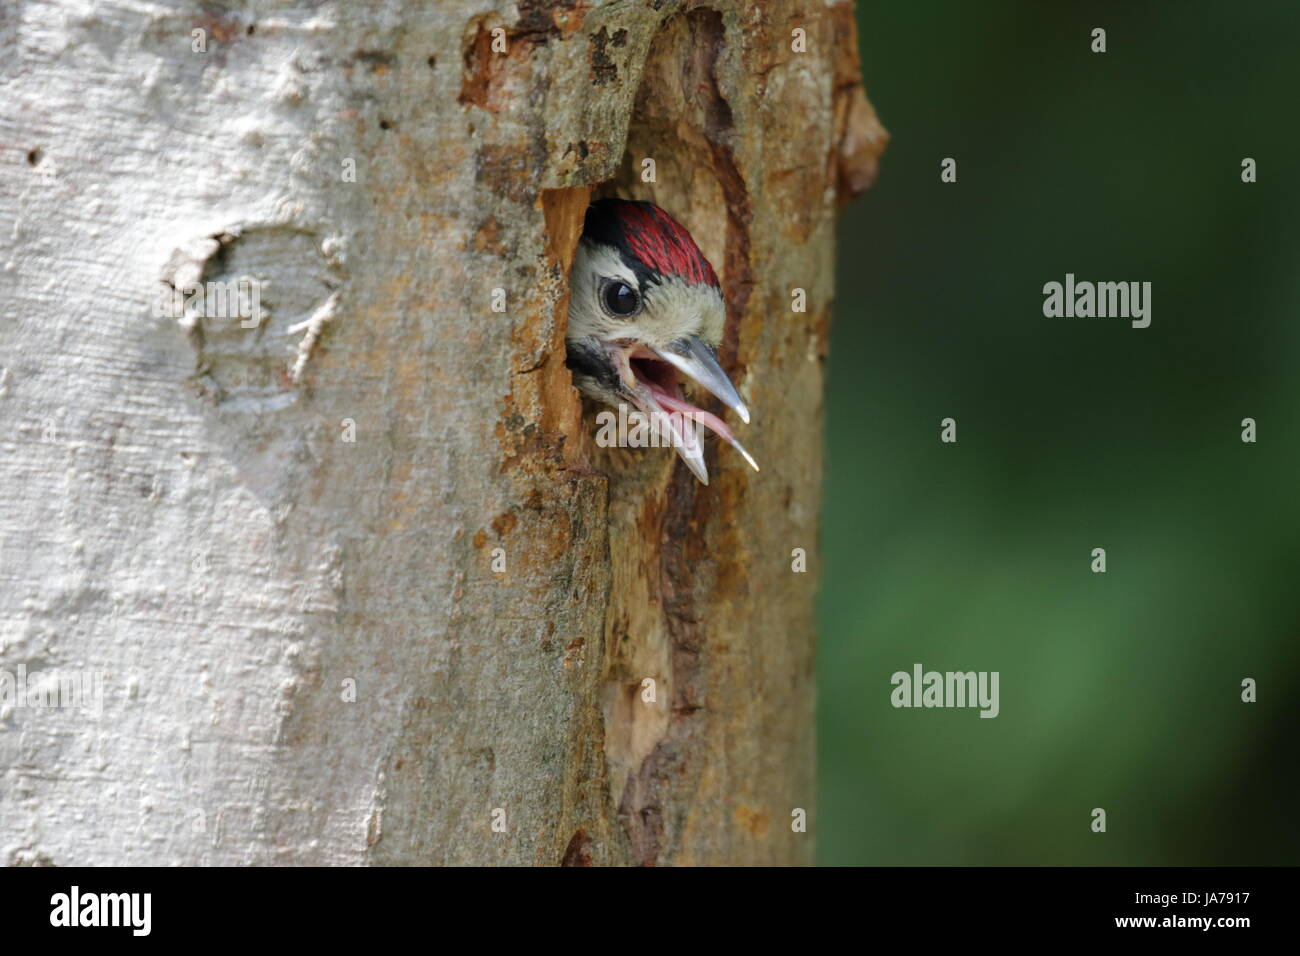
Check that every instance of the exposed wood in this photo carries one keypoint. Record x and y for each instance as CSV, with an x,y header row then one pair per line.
x,y
185,516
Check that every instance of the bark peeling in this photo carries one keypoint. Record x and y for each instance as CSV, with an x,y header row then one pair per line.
x,y
319,649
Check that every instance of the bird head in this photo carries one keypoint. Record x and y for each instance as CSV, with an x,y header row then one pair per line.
x,y
646,315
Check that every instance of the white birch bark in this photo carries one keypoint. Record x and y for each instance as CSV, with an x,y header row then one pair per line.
x,y
231,527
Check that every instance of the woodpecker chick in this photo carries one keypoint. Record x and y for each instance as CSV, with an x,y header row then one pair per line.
x,y
645,307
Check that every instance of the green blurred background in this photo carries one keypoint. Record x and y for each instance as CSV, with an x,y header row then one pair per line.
x,y
1118,690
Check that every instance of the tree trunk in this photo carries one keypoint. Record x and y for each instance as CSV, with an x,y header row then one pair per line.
x,y
357,582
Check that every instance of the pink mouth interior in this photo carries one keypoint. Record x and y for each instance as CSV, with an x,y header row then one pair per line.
x,y
660,380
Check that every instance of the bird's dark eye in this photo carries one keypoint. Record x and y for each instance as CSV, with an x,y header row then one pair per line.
x,y
620,298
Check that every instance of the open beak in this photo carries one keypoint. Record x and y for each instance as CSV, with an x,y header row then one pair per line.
x,y
650,377
696,360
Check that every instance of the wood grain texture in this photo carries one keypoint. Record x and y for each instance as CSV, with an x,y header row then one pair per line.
x,y
182,515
